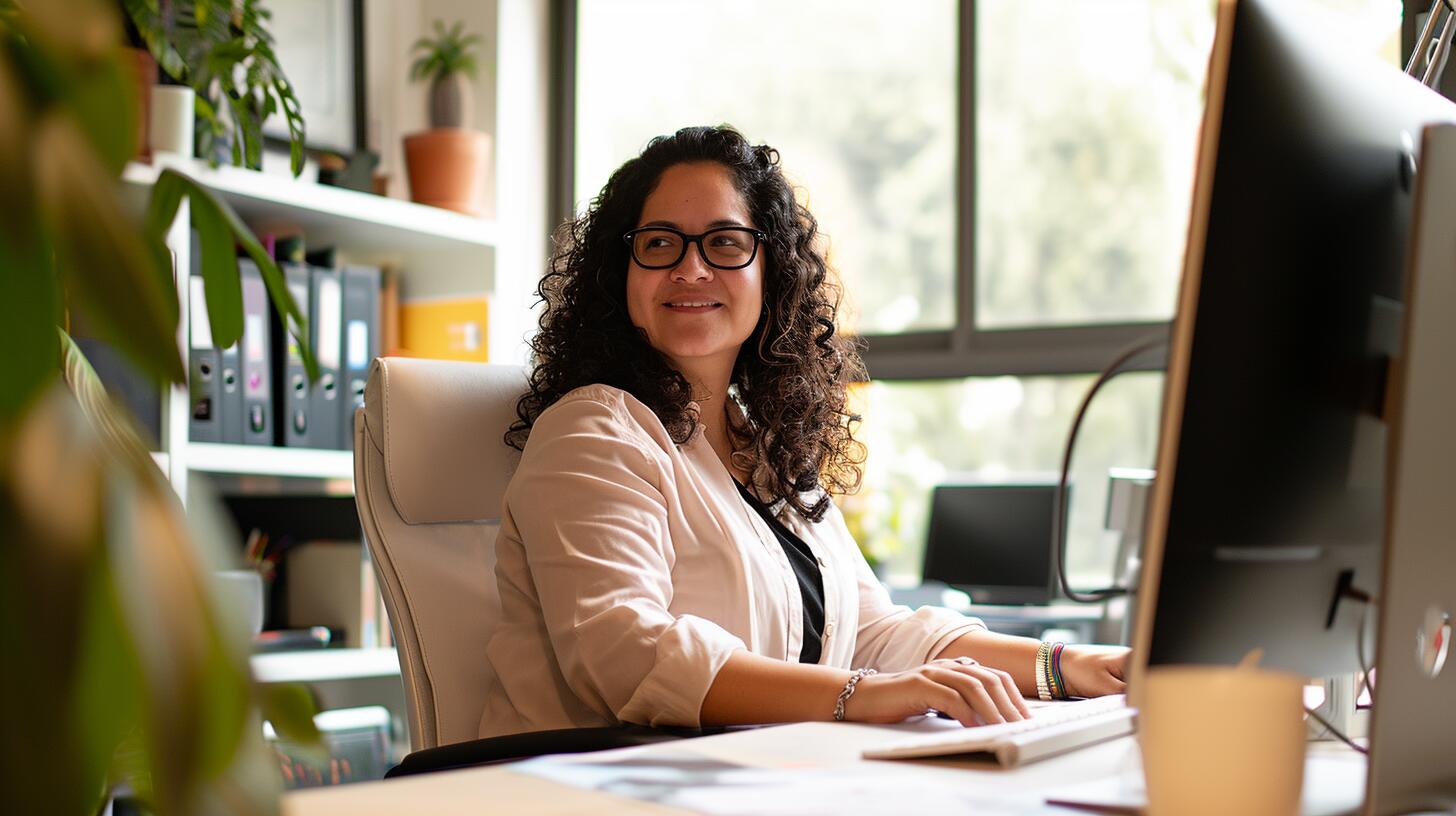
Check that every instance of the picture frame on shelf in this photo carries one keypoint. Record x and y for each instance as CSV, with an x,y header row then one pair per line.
x,y
320,44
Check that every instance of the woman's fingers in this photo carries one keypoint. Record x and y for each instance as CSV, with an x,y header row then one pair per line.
x,y
1012,691
985,697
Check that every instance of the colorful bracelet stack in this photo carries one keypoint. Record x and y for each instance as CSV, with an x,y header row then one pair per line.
x,y
1049,683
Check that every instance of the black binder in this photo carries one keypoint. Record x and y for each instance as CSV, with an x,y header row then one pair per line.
x,y
326,303
361,342
292,424
254,361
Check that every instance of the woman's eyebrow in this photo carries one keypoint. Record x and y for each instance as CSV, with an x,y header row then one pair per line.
x,y
721,222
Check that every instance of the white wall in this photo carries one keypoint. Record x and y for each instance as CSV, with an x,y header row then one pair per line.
x,y
397,107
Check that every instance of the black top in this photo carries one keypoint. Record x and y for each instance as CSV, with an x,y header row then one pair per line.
x,y
806,569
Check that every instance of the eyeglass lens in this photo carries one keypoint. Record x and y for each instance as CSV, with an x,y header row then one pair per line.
x,y
726,248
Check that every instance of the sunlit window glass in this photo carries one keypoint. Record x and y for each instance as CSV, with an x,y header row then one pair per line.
x,y
859,97
995,430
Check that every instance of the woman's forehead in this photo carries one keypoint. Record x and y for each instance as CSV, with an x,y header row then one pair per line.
x,y
695,196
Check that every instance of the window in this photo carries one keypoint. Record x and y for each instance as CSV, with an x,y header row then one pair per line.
x,y
859,97
1005,187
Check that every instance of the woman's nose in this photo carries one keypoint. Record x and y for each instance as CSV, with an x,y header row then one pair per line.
x,y
692,267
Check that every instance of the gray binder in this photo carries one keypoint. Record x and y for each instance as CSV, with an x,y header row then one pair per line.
x,y
204,377
254,361
361,343
292,423
326,303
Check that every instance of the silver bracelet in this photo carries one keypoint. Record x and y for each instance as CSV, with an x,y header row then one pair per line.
x,y
849,692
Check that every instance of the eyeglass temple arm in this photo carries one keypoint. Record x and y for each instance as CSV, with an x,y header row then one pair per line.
x,y
1437,62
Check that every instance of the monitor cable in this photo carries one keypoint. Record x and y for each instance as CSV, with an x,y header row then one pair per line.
x,y
1059,502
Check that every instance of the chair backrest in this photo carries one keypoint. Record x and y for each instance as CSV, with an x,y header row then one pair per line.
x,y
430,467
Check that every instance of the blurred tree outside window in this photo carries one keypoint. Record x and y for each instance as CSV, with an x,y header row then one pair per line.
x,y
1086,117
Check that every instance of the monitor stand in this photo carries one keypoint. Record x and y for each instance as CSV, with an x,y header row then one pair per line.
x,y
1413,722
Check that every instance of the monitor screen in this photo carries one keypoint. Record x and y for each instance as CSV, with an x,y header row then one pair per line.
x,y
1271,458
992,541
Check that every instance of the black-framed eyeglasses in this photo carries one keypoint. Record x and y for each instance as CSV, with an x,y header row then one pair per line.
x,y
721,248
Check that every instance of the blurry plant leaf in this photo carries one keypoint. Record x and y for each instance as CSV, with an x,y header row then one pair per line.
x,y
50,487
107,693
290,708
29,309
219,264
102,254
15,169
104,104
116,428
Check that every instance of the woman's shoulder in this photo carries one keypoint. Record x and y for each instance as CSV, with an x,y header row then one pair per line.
x,y
595,405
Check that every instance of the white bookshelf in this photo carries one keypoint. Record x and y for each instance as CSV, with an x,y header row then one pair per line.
x,y
322,665
437,251
257,460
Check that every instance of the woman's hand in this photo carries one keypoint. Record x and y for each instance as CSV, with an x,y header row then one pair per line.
x,y
960,688
1092,671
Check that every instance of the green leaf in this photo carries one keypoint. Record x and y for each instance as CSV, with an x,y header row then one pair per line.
x,y
103,102
107,688
222,285
290,708
111,274
29,310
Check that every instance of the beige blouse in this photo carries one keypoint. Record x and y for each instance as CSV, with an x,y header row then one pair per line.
x,y
630,568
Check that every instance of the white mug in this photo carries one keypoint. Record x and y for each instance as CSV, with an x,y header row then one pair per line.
x,y
1221,740
172,119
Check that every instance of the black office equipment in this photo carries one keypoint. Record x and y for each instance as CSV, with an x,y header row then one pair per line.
x,y
292,427
1271,458
992,541
361,343
255,362
326,303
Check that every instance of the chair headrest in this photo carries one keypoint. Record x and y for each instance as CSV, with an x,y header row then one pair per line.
x,y
439,425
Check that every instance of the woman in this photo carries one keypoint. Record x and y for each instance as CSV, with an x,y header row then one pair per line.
x,y
668,552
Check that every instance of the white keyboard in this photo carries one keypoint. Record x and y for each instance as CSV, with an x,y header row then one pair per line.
x,y
1053,729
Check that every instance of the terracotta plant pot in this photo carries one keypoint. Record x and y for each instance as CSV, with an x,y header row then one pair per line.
x,y
144,75
447,168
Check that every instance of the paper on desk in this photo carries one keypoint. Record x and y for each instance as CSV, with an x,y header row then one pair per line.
x,y
1333,784
712,786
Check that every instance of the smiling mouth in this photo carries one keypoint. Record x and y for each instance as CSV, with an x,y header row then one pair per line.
x,y
692,305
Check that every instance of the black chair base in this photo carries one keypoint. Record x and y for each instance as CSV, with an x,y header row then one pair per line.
x,y
494,750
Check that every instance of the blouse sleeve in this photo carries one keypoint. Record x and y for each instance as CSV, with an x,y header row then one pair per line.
x,y
587,502
892,637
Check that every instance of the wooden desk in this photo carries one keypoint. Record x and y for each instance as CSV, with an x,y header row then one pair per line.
x,y
1334,776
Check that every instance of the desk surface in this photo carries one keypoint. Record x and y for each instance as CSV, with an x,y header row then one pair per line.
x,y
1333,780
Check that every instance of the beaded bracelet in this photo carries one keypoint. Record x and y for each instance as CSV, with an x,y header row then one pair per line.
x,y
849,692
1058,686
1043,677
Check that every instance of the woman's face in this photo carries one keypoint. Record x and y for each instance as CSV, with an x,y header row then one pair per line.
x,y
694,314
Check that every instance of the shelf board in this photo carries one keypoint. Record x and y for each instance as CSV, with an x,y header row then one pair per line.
x,y
260,460
364,223
319,665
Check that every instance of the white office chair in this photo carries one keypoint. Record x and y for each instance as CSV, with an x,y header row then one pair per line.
x,y
430,466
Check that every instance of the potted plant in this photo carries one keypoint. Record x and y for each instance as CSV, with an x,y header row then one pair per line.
x,y
222,49
447,163
125,670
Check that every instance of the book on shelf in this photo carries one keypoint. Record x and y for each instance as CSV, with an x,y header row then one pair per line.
x,y
332,584
445,328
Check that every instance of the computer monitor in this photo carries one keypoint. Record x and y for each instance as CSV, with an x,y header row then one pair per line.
x,y
1271,460
992,541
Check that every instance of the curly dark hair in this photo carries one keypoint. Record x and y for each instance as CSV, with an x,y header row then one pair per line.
x,y
790,374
